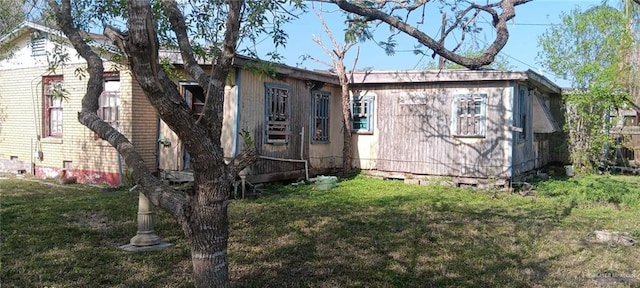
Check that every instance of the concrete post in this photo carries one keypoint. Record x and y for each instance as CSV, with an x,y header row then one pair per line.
x,y
146,238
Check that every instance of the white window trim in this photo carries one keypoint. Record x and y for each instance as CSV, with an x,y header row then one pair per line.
x,y
483,115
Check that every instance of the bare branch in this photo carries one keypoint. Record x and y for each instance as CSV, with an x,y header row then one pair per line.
x,y
499,23
245,159
179,27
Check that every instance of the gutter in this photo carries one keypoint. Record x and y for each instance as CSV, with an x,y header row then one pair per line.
x,y
236,126
512,94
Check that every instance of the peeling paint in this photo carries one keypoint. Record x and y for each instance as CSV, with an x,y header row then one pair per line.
x,y
84,176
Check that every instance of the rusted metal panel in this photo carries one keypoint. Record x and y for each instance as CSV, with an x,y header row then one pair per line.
x,y
558,148
253,117
414,123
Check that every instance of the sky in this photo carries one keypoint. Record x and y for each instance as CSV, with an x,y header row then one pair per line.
x,y
521,50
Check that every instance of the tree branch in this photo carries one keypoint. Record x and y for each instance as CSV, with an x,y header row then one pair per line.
x,y
499,23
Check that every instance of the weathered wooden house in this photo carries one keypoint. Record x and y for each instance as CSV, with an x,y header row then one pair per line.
x,y
466,126
293,117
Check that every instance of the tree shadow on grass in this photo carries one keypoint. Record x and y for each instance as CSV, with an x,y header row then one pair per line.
x,y
394,243
70,238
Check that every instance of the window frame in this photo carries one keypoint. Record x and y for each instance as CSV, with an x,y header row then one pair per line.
x,y
115,76
320,109
480,117
38,43
195,104
280,130
50,105
369,102
522,113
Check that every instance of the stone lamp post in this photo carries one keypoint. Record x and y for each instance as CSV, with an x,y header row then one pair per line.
x,y
146,238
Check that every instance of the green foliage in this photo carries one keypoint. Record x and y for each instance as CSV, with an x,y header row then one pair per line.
x,y
357,30
364,233
588,49
57,91
10,15
247,139
171,70
206,22
592,189
585,48
58,57
263,68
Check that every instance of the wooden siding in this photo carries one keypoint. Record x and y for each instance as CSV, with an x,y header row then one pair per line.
x,y
328,156
252,119
414,136
171,156
524,154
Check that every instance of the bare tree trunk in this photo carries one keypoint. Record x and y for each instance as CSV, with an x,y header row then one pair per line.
x,y
347,150
207,229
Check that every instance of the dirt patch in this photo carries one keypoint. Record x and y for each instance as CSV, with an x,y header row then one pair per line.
x,y
92,220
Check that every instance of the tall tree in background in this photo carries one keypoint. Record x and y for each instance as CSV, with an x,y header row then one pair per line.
x,y
11,15
587,49
337,54
408,17
13,12
631,55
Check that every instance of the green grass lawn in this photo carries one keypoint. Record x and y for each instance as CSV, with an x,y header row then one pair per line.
x,y
364,233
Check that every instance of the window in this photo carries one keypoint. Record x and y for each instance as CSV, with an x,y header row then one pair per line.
x,y
109,109
468,115
277,110
53,93
38,43
362,114
522,113
194,96
320,121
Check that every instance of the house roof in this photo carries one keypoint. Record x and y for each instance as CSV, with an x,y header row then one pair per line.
x,y
281,69
30,27
27,27
457,75
364,77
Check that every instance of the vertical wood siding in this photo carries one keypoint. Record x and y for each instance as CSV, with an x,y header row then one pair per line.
x,y
253,118
324,156
414,123
524,152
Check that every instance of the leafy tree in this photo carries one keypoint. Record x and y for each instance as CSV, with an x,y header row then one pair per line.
x,y
217,24
586,50
11,15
